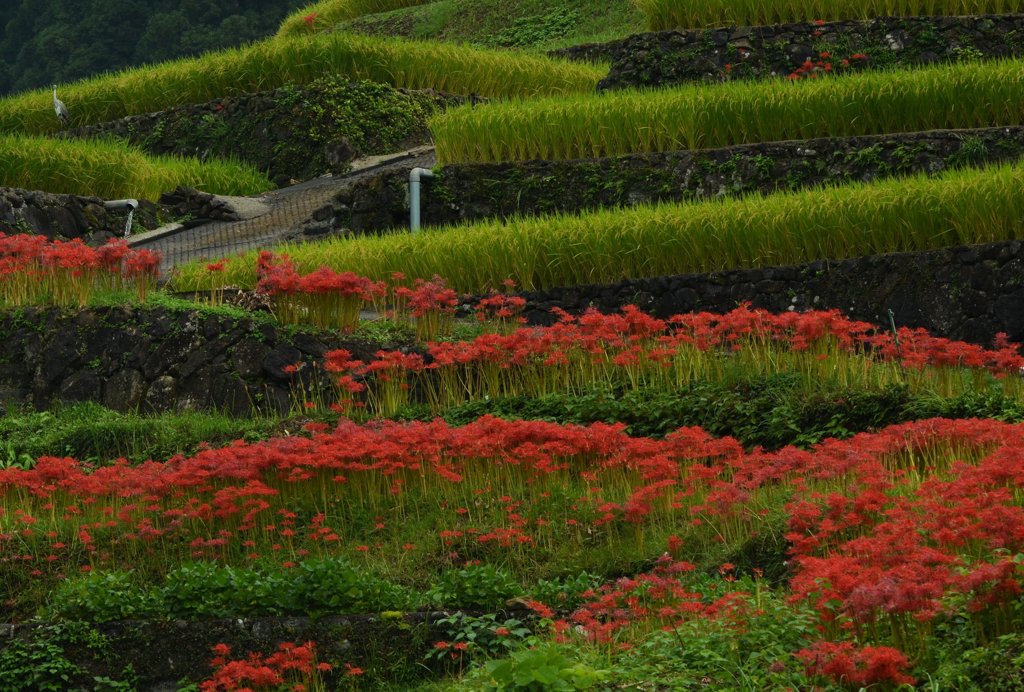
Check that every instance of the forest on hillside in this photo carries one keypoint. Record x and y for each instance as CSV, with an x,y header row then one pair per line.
x,y
47,41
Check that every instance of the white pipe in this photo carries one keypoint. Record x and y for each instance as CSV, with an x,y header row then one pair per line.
x,y
121,204
414,195
130,204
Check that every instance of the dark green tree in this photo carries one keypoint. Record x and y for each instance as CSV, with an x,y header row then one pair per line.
x,y
47,41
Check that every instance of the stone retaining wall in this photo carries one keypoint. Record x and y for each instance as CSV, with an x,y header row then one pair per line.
x,y
469,192
159,359
67,216
158,655
714,55
965,293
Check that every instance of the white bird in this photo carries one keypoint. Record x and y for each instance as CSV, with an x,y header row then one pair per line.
x,y
59,107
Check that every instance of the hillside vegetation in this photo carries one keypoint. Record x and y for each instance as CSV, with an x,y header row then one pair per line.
x,y
462,499
534,25
47,41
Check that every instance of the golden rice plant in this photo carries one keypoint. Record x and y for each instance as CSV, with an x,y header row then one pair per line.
x,y
110,169
299,60
962,95
326,13
959,207
670,14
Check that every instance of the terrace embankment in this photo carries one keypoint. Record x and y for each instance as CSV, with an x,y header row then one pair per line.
x,y
159,359
712,55
160,654
66,216
293,133
965,293
469,192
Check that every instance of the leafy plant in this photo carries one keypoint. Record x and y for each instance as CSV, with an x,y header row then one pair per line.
x,y
483,636
483,587
546,667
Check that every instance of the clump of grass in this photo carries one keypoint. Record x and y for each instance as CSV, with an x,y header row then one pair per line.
x,y
111,169
92,432
697,117
326,13
669,14
299,60
960,207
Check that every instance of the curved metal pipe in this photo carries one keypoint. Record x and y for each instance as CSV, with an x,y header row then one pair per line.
x,y
414,195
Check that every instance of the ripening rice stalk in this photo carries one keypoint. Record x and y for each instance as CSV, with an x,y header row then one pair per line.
x,y
322,16
700,117
111,170
271,64
959,207
671,14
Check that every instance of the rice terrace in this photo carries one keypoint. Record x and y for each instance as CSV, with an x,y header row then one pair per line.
x,y
540,345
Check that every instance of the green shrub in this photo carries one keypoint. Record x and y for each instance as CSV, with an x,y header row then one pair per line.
x,y
103,597
333,585
546,667
772,412
90,432
474,587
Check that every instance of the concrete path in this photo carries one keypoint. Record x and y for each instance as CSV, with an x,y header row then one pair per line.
x,y
266,219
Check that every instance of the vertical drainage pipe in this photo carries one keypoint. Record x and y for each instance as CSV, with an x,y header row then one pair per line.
x,y
414,196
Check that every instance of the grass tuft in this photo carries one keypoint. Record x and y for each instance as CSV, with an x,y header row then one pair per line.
x,y
110,169
326,13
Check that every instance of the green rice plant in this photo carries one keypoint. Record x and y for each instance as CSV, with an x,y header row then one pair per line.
x,y
110,169
326,13
918,213
299,60
670,14
962,95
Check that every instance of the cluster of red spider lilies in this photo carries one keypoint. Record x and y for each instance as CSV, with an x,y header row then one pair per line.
x,y
35,270
634,350
888,531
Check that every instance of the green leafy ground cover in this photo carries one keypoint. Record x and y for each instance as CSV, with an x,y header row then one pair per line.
x,y
532,25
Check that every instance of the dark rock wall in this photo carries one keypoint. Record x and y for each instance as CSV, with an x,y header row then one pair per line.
x,y
965,293
157,359
479,191
162,654
713,55
66,216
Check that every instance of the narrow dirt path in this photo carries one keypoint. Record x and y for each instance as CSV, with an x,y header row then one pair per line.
x,y
268,218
